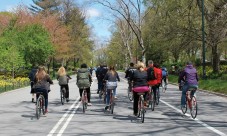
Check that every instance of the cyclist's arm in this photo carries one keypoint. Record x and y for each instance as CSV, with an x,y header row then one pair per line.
x,y
49,80
118,77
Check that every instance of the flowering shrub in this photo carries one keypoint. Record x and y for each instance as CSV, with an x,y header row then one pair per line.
x,y
7,83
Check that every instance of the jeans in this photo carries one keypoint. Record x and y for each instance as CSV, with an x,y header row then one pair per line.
x,y
184,90
108,95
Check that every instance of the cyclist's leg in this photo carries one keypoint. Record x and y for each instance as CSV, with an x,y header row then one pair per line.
x,y
193,86
114,92
183,96
67,91
158,85
135,103
88,94
154,91
107,98
81,91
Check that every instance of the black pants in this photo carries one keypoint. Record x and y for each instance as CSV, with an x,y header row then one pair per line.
x,y
67,90
136,100
45,94
88,93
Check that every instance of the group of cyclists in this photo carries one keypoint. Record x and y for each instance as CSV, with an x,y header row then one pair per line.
x,y
140,79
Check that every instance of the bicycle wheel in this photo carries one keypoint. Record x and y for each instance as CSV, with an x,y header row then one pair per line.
x,y
152,101
184,109
142,110
83,101
194,107
38,107
157,96
130,94
111,103
42,104
63,96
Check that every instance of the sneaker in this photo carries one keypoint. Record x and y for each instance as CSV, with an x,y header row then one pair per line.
x,y
98,92
80,99
106,108
33,100
183,106
135,114
46,111
115,97
89,104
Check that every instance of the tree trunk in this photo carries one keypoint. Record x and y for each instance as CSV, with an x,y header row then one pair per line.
x,y
215,59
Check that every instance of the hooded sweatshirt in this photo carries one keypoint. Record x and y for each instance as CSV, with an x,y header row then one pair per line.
x,y
189,75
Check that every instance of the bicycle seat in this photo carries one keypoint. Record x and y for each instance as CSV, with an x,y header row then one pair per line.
x,y
192,88
140,93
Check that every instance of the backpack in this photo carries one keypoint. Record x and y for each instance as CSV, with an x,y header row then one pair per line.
x,y
32,75
83,79
63,80
151,74
164,72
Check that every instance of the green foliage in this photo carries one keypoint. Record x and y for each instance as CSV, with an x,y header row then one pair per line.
x,y
34,43
213,85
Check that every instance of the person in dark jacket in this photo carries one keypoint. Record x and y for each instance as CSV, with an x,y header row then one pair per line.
x,y
190,77
32,78
140,85
101,74
111,77
42,84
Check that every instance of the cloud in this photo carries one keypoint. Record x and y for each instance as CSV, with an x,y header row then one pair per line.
x,y
92,13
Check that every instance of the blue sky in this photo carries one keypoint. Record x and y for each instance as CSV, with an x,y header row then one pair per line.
x,y
100,27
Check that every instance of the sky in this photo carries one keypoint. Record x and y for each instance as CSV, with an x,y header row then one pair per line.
x,y
100,27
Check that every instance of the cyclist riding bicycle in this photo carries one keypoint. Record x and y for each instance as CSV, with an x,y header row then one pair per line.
x,y
165,75
101,74
140,85
129,72
32,79
84,81
42,84
190,77
152,76
159,78
111,77
63,80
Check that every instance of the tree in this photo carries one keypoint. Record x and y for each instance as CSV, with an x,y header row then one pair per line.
x,y
43,6
215,16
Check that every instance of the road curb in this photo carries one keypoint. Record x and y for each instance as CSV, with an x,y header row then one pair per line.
x,y
206,91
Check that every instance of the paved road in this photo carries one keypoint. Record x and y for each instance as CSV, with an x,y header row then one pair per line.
x,y
17,115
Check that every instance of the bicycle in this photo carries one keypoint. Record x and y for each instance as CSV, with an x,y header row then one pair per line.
x,y
112,102
157,96
141,107
102,93
150,98
62,93
40,104
191,103
164,86
84,99
130,92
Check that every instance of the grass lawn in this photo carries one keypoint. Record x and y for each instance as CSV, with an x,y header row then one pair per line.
x,y
213,85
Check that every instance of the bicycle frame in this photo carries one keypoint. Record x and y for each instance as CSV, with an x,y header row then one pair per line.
x,y
40,102
84,99
141,107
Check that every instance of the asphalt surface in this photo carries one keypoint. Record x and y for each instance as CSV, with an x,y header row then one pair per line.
x,y
17,115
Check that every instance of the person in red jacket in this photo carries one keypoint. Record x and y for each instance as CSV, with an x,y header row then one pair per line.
x,y
159,78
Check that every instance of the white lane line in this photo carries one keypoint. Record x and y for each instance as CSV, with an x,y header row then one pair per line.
x,y
197,120
68,120
62,118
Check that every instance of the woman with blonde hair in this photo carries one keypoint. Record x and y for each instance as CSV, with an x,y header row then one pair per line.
x,y
112,78
42,84
63,80
140,85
